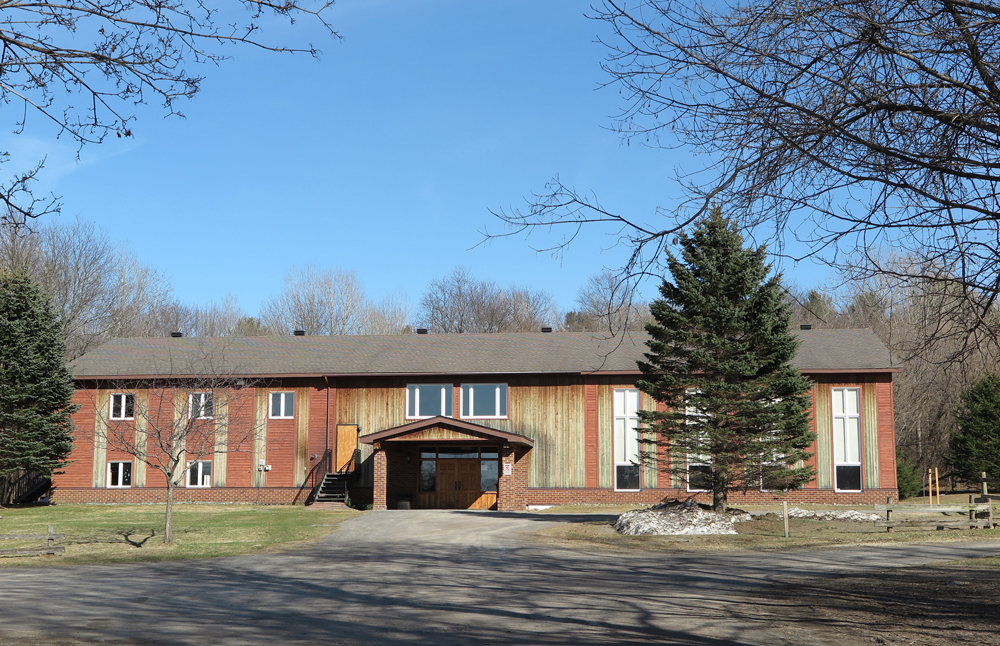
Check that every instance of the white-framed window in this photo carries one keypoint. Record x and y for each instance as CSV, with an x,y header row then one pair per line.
x,y
119,474
122,406
847,439
201,405
699,464
283,405
626,439
429,400
484,401
199,473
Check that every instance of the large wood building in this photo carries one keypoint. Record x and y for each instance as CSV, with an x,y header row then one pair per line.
x,y
490,421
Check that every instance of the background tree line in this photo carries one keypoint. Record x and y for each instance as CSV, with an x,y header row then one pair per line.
x,y
928,325
101,290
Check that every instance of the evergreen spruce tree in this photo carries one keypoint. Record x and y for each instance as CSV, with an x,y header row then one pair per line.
x,y
975,447
36,387
720,357
907,475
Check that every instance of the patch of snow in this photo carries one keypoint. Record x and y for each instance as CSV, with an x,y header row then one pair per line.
x,y
831,514
678,518
539,507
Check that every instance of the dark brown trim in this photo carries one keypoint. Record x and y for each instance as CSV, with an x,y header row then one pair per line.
x,y
390,434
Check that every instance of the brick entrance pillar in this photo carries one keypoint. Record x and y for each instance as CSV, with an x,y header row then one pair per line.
x,y
379,492
511,489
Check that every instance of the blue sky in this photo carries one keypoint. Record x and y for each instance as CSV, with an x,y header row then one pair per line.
x,y
384,156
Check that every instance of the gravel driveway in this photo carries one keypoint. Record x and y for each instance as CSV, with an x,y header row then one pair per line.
x,y
438,577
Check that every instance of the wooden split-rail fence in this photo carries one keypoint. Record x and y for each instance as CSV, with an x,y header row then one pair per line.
x,y
979,516
50,548
987,496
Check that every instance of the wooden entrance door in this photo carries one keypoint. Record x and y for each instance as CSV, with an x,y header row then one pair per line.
x,y
457,483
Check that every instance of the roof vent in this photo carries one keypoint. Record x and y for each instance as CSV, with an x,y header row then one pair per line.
x,y
806,326
298,332
546,329
421,330
176,335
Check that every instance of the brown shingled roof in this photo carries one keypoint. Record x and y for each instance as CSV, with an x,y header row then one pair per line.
x,y
431,354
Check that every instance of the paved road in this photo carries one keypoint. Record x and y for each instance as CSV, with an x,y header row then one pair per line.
x,y
439,578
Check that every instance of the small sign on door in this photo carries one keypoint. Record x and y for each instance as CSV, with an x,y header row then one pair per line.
x,y
508,469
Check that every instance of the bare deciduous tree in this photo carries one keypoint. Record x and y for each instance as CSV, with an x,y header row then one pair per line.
x,y
84,66
100,290
330,302
852,124
925,323
606,304
460,303
180,427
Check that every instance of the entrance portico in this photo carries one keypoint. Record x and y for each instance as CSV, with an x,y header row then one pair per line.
x,y
444,463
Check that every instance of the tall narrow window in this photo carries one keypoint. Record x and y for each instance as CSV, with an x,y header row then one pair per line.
x,y
123,406
699,462
626,439
283,405
428,400
201,405
484,401
847,439
119,475
199,473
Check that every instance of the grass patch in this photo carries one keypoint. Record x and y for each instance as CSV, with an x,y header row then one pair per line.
x,y
134,533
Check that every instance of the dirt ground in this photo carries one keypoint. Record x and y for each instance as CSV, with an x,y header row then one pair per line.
x,y
485,578
927,606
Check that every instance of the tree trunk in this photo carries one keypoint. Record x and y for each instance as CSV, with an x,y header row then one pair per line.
x,y
168,530
719,498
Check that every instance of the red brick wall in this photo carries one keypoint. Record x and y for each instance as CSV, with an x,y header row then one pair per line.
x,y
650,496
268,496
79,472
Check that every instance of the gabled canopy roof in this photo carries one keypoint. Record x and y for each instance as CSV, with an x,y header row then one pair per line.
x,y
406,431
430,354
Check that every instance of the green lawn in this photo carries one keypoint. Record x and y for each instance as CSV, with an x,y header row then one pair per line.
x,y
134,533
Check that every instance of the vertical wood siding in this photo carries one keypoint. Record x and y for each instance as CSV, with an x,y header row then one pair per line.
x,y
141,437
824,436
220,461
179,423
301,435
605,424
374,405
260,436
101,438
869,434
651,467
886,433
591,424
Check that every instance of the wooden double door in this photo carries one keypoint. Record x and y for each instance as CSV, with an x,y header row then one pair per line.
x,y
458,483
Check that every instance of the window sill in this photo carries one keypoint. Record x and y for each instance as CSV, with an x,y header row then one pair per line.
x,y
504,417
290,417
429,417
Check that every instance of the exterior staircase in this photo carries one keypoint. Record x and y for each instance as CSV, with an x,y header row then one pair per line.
x,y
333,488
